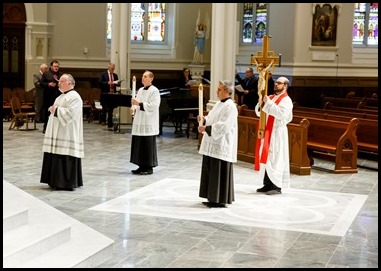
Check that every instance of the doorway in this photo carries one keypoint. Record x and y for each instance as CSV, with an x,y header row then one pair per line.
x,y
14,18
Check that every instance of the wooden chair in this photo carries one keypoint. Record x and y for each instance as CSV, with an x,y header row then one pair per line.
x,y
20,117
7,110
21,94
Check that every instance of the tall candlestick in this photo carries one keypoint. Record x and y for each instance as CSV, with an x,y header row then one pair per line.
x,y
133,86
200,103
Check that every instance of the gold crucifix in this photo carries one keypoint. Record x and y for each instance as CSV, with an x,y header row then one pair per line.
x,y
265,62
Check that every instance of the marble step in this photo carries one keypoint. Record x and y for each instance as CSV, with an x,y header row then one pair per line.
x,y
75,245
14,217
24,243
79,253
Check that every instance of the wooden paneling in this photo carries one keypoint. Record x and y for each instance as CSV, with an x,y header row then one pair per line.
x,y
311,96
84,75
311,81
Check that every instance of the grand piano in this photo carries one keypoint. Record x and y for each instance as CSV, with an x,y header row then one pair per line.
x,y
176,106
113,100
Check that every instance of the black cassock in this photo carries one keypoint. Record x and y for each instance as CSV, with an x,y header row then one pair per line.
x,y
61,171
144,151
217,182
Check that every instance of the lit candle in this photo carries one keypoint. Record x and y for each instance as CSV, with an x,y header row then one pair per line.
x,y
200,103
133,87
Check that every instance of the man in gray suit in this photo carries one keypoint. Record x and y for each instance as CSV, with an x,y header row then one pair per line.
x,y
39,92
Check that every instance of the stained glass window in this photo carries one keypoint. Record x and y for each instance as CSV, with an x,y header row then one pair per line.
x,y
365,24
148,22
109,21
254,22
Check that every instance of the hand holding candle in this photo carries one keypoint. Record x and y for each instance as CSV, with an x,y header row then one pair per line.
x,y
201,104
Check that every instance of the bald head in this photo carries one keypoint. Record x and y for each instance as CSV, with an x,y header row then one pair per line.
x,y
283,80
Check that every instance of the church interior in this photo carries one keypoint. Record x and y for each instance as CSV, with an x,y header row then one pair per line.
x,y
328,218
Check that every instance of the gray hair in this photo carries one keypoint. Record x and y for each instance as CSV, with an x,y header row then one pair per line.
x,y
69,77
228,85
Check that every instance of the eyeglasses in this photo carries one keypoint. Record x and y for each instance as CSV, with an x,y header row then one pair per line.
x,y
279,83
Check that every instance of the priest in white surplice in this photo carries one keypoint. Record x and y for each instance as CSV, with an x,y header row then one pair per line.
x,y
219,149
63,142
145,126
272,158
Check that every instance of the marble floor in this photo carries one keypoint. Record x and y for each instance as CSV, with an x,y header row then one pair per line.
x,y
323,220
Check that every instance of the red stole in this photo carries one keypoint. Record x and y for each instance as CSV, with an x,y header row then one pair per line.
x,y
267,137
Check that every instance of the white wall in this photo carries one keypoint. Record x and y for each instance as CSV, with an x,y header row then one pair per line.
x,y
67,28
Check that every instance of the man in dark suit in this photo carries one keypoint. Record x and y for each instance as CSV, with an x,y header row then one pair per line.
x,y
108,83
270,84
49,81
250,86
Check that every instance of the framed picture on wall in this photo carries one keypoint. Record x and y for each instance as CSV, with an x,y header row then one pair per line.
x,y
324,25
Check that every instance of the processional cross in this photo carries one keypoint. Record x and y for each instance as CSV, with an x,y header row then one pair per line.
x,y
265,61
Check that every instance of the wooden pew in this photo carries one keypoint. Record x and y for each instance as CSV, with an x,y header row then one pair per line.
x,y
367,131
352,102
335,112
300,163
329,105
366,101
297,135
333,140
343,102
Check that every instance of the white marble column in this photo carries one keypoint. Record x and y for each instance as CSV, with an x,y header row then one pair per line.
x,y
120,51
124,46
115,34
223,47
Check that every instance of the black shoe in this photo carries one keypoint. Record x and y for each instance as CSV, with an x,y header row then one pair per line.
x,y
205,203
64,189
275,191
146,172
216,205
264,189
136,171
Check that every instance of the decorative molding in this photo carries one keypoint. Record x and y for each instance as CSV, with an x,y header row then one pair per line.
x,y
339,5
323,56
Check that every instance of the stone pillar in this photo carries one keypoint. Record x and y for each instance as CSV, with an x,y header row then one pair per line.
x,y
120,52
223,47
124,35
28,43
